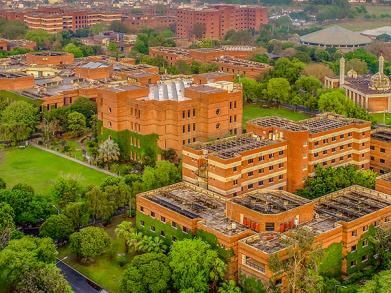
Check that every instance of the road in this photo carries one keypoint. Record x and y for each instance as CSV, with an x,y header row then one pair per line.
x,y
78,282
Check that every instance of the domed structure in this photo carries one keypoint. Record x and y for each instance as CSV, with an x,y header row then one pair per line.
x,y
379,81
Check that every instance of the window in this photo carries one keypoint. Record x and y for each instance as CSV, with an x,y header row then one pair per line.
x,y
352,263
163,219
234,169
235,182
173,239
269,226
253,264
251,186
217,125
142,223
271,168
333,138
325,152
271,156
152,214
162,234
387,219
261,158
280,165
260,183
365,243
185,229
251,173
109,109
250,161
326,140
261,170
218,111
353,248
174,225
278,282
271,180
382,150
281,153
333,150
342,136
365,228
153,228
382,161
142,209
354,233
364,258
280,177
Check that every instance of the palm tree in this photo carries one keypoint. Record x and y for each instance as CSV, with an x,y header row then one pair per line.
x,y
152,244
108,152
135,240
124,231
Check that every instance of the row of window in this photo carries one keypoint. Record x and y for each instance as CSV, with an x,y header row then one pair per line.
x,y
261,182
188,141
382,150
189,112
163,220
188,127
353,263
366,227
262,158
334,138
262,170
333,150
381,161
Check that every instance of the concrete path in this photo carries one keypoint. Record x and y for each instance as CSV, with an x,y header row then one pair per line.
x,y
74,160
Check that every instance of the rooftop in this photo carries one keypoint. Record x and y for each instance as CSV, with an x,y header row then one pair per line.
x,y
173,50
241,62
168,91
12,75
193,202
384,30
230,147
362,84
94,65
270,201
49,53
383,134
337,36
351,203
320,123
386,177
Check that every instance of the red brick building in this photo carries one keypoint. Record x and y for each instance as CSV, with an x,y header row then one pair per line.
x,y
49,58
381,150
15,81
325,140
214,21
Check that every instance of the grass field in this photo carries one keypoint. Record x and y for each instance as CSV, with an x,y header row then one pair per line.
x,y
40,169
381,118
105,271
378,9
252,111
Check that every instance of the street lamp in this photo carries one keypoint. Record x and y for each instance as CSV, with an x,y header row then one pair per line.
x,y
58,211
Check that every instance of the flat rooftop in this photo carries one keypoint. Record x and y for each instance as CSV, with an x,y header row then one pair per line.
x,y
231,147
241,62
94,65
12,75
270,201
382,134
173,50
386,177
351,203
193,202
49,53
320,123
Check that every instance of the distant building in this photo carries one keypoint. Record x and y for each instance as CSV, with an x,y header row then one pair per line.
x,y
214,21
169,115
377,32
372,92
335,37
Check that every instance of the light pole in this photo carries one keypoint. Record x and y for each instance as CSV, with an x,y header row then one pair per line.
x,y
58,211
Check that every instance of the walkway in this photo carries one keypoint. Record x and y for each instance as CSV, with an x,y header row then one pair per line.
x,y
74,160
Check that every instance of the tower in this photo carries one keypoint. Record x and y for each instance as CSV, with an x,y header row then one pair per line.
x,y
341,71
381,63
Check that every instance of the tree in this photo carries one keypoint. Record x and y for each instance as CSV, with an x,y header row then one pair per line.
x,y
46,278
7,224
194,265
12,30
118,27
364,55
57,227
26,254
286,68
382,243
198,30
302,263
357,65
229,287
278,90
330,179
151,244
148,272
18,120
108,152
380,283
124,230
89,242
251,89
112,48
41,37
318,70
73,49
165,173
98,204
66,190
76,124
78,213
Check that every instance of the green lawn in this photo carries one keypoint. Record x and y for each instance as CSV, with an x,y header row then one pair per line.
x,y
12,96
105,271
381,118
40,169
251,111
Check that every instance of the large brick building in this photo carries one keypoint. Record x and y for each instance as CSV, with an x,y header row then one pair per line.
x,y
170,114
372,92
55,19
381,150
254,223
325,140
214,21
235,165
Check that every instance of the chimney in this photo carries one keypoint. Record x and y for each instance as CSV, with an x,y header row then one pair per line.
x,y
341,71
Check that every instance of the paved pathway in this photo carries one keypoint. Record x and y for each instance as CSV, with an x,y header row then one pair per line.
x,y
74,160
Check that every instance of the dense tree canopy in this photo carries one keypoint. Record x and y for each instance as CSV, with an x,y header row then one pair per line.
x,y
89,242
57,227
148,272
194,265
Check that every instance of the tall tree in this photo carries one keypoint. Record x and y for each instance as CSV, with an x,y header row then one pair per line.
x,y
66,190
124,230
108,152
278,90
302,263
74,49
57,227
7,224
76,124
